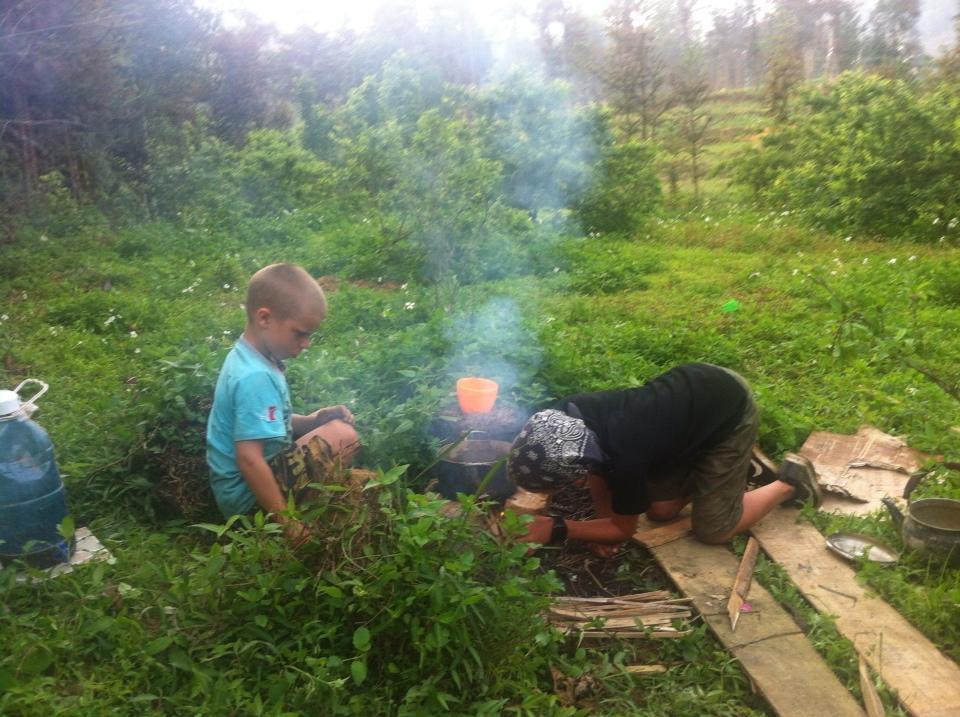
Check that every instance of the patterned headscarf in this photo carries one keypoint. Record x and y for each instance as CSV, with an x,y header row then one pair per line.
x,y
552,450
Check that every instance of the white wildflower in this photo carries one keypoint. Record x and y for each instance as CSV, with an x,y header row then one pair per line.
x,y
403,286
936,220
410,305
226,332
866,259
913,257
226,286
893,261
796,271
4,317
556,269
911,390
847,238
133,334
952,224
110,320
43,237
136,350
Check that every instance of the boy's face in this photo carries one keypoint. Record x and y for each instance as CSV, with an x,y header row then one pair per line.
x,y
286,338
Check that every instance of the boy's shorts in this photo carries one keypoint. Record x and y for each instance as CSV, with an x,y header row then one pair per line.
x,y
716,480
295,468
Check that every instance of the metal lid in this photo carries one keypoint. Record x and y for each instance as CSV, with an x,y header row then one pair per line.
x,y
9,402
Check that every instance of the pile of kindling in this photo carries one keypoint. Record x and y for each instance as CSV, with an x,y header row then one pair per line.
x,y
637,616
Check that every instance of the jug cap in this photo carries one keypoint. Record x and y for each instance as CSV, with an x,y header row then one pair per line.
x,y
9,402
11,407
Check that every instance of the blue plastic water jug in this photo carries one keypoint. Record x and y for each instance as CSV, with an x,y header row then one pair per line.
x,y
32,499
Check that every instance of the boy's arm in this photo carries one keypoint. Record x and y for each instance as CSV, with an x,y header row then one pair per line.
x,y
302,425
259,476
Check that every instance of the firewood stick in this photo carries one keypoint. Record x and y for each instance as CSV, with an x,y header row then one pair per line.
x,y
645,669
741,584
871,699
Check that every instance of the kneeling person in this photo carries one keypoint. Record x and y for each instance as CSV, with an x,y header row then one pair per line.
x,y
686,435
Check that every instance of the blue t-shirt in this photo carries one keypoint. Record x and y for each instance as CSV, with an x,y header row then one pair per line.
x,y
251,402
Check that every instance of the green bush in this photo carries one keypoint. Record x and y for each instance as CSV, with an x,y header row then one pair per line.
x,y
623,192
400,610
600,268
866,155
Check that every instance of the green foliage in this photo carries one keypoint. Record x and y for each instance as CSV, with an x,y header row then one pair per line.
x,y
435,615
868,156
623,192
599,267
541,140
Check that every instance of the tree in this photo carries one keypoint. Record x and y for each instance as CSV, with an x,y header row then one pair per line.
x,y
892,45
536,133
88,82
633,74
570,45
691,119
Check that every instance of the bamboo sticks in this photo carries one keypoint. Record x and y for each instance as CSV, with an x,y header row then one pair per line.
x,y
641,615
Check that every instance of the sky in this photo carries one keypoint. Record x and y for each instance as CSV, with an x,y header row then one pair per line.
x,y
328,15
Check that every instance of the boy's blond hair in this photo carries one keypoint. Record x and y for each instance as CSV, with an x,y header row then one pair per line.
x,y
285,289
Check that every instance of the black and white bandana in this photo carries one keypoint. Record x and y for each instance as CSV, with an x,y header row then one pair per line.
x,y
552,450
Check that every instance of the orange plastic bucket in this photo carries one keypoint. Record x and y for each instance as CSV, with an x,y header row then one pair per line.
x,y
476,395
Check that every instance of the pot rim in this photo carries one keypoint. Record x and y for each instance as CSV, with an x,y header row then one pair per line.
x,y
933,501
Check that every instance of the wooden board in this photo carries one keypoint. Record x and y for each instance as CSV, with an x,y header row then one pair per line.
x,y
776,655
926,681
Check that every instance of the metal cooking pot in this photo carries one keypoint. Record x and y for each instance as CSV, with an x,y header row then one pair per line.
x,y
463,468
931,525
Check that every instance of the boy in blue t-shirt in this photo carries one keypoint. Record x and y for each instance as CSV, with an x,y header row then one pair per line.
x,y
252,420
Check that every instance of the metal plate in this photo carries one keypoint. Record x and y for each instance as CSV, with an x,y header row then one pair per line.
x,y
853,546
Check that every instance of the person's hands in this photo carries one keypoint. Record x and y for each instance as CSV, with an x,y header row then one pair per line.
x,y
332,413
296,532
539,530
604,550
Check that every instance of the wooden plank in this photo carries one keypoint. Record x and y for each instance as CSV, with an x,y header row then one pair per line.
x,y
776,655
741,583
926,681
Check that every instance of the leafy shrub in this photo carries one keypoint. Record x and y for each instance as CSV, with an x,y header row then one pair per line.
x,y
168,454
433,616
540,139
623,192
597,268
869,155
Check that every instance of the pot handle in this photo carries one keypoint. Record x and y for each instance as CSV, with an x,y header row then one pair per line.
x,y
894,511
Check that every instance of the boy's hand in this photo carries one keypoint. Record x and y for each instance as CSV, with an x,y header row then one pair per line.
x,y
296,533
332,413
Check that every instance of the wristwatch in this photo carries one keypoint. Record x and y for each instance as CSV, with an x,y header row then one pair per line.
x,y
558,533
